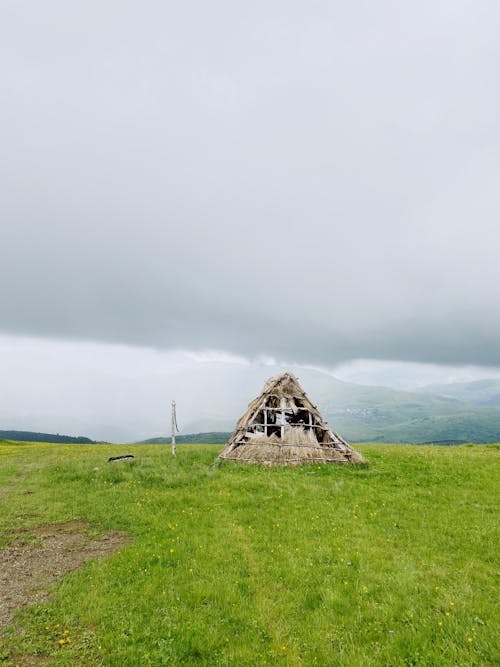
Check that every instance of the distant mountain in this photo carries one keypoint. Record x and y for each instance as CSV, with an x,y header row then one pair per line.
x,y
31,436
214,438
386,415
478,392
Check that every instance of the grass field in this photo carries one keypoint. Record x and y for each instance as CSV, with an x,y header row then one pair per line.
x,y
392,563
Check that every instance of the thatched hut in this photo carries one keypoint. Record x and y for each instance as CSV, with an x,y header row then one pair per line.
x,y
283,427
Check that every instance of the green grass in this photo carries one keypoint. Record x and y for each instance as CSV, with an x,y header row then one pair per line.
x,y
392,563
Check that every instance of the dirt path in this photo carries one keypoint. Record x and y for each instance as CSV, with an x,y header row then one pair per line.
x,y
27,569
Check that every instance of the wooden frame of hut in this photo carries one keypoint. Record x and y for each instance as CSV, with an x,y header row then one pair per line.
x,y
283,427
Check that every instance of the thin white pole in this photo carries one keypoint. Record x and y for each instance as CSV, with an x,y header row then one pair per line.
x,y
174,429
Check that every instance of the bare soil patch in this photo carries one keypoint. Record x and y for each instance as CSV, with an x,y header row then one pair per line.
x,y
28,567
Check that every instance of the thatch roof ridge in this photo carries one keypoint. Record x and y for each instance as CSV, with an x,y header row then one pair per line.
x,y
277,382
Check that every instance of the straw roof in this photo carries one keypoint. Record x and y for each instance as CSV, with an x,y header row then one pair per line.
x,y
283,427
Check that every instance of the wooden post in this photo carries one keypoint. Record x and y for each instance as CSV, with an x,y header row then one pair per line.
x,y
174,429
265,421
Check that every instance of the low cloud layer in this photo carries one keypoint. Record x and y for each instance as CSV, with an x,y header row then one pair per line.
x,y
315,183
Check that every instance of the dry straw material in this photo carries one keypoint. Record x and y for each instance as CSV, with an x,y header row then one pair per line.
x,y
282,427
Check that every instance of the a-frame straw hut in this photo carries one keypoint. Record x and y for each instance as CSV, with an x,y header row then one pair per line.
x,y
283,427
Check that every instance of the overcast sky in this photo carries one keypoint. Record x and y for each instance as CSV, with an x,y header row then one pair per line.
x,y
314,181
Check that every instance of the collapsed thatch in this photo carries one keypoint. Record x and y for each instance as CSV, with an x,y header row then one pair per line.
x,y
283,427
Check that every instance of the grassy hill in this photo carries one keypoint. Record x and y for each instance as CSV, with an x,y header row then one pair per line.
x,y
365,413
214,438
32,436
391,563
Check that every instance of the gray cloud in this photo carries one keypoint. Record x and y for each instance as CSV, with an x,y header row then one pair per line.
x,y
314,182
